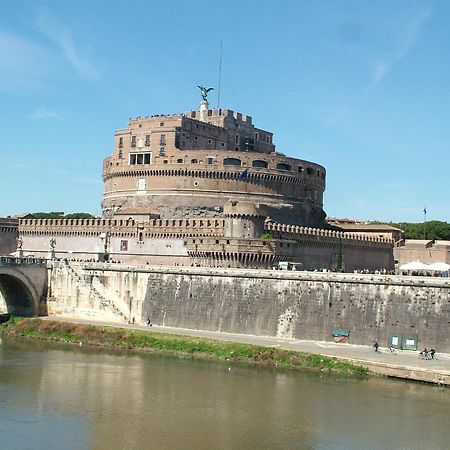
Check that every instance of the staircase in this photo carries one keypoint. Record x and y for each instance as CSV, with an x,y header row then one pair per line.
x,y
99,298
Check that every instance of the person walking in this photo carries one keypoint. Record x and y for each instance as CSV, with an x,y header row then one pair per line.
x,y
375,346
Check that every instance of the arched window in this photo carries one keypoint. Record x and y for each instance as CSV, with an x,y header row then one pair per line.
x,y
283,166
194,161
179,161
231,162
259,164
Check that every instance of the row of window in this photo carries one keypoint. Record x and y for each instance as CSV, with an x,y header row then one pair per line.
x,y
146,141
248,142
145,158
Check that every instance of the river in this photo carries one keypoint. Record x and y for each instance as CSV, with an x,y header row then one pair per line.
x,y
70,397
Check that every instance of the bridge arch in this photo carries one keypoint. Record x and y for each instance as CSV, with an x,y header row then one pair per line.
x,y
18,295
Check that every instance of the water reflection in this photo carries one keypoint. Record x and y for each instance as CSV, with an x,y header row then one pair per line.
x,y
122,400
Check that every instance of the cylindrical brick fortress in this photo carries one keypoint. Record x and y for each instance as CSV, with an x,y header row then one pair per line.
x,y
178,167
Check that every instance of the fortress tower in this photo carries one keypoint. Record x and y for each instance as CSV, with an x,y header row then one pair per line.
x,y
193,164
206,188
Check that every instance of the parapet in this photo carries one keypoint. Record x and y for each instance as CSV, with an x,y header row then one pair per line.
x,y
296,232
243,209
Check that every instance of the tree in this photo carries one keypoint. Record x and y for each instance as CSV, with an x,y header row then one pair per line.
x,y
432,230
61,215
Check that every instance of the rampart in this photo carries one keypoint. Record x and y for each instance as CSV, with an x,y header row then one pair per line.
x,y
8,235
204,241
298,305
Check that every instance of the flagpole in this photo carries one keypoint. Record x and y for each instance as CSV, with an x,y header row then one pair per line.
x,y
425,222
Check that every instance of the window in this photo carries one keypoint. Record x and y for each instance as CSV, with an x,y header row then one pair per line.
x,y
139,158
133,141
121,142
210,160
222,144
120,155
309,171
194,161
179,161
162,139
256,136
259,163
196,138
162,151
236,139
300,169
283,166
209,141
161,124
147,140
268,139
231,162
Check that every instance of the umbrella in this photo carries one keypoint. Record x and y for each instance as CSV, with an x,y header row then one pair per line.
x,y
439,267
415,265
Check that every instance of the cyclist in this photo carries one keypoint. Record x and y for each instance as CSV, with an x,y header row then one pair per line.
x,y
375,346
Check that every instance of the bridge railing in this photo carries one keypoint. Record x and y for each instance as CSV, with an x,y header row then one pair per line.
x,y
16,260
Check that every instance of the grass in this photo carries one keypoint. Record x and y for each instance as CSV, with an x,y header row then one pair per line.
x,y
182,346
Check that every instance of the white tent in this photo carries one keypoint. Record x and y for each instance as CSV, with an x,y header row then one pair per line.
x,y
414,265
439,267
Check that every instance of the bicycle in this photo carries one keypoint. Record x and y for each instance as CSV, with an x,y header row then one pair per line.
x,y
428,354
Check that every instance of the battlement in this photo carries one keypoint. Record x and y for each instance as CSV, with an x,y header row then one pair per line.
x,y
222,113
156,228
295,232
182,227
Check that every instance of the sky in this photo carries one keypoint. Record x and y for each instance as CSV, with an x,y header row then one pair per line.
x,y
361,87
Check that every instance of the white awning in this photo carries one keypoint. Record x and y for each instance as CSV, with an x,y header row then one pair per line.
x,y
415,265
439,267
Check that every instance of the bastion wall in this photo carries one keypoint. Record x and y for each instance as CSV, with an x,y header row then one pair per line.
x,y
298,305
8,235
232,241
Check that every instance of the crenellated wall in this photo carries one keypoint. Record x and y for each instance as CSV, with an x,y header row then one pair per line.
x,y
233,241
8,235
299,305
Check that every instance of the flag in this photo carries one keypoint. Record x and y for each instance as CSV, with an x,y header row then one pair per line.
x,y
425,210
243,175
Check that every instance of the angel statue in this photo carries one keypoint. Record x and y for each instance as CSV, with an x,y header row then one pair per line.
x,y
52,244
204,92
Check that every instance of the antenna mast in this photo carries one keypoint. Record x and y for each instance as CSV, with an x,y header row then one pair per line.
x,y
220,75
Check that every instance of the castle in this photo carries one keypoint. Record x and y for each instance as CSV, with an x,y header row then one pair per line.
x,y
206,188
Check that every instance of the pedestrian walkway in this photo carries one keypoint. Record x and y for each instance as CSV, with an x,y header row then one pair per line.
x,y
400,364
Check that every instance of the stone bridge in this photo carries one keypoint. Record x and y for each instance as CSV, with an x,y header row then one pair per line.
x,y
23,286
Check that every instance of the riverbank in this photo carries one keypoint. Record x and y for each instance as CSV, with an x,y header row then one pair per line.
x,y
177,345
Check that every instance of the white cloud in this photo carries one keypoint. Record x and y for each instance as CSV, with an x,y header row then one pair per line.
x,y
45,114
380,68
59,34
407,39
24,65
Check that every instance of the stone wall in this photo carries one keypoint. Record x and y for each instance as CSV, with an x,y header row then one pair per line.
x,y
299,305
425,251
8,235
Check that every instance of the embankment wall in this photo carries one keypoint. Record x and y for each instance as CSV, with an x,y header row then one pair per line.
x,y
299,305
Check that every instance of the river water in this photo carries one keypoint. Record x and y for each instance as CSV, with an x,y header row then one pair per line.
x,y
71,397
